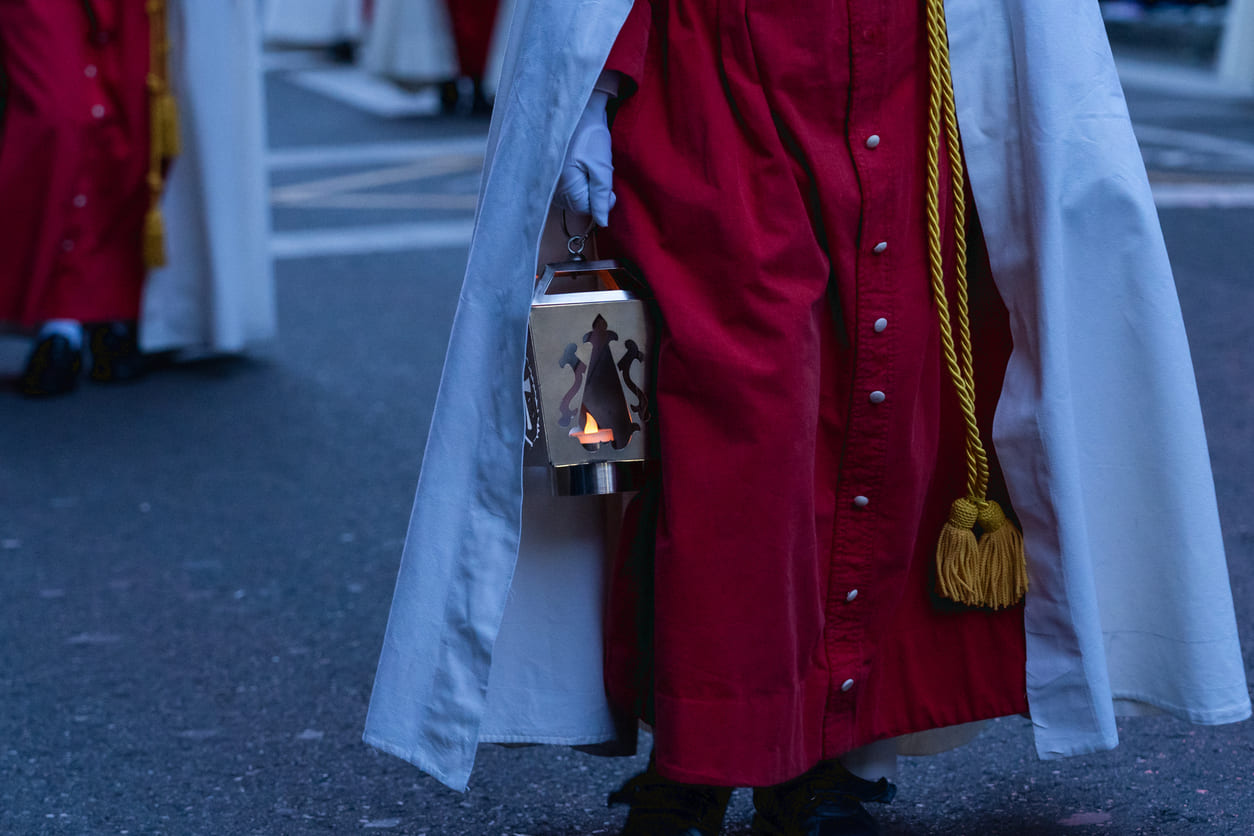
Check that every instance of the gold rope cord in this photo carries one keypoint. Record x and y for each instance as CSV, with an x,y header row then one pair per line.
x,y
992,571
163,145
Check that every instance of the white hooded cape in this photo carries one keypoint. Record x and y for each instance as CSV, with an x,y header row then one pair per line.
x,y
1098,430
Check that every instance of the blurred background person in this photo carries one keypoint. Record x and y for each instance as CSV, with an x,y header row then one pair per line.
x,y
1236,52
473,23
411,43
336,25
80,171
216,294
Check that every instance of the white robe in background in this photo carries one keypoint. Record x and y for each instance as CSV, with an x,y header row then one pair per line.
x,y
216,293
310,22
410,41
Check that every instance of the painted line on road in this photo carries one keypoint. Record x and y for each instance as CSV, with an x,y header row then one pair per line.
x,y
356,87
1177,80
1203,195
384,238
373,153
420,170
430,201
360,240
294,58
1197,142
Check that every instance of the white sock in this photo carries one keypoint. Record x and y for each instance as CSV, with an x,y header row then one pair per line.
x,y
878,760
71,329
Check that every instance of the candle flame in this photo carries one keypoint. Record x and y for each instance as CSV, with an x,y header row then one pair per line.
x,y
592,433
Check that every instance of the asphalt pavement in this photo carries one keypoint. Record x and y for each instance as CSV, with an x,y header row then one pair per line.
x,y
195,570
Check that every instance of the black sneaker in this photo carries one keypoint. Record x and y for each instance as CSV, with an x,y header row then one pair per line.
x,y
661,807
115,354
826,801
51,369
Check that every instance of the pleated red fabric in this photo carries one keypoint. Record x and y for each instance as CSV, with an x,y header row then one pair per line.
x,y
770,175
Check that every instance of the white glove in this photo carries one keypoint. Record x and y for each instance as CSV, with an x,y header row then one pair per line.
x,y
587,178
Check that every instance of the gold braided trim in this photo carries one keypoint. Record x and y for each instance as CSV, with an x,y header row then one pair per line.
x,y
163,143
990,572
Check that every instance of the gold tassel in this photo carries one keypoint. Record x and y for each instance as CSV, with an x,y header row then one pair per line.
x,y
163,133
154,237
957,554
1002,558
990,572
167,115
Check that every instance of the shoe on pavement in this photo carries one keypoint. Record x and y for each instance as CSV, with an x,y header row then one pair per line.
x,y
115,354
661,807
51,369
826,801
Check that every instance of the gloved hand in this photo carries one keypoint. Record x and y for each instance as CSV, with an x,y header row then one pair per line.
x,y
586,182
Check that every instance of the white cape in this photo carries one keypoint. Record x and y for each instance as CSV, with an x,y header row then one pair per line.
x,y
1098,429
217,292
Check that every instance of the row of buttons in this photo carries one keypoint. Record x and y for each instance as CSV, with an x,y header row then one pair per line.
x,y
876,397
97,112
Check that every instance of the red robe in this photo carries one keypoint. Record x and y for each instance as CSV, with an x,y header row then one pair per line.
x,y
472,22
769,171
73,159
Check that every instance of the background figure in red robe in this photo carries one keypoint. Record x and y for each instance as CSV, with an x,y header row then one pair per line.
x,y
73,190
473,22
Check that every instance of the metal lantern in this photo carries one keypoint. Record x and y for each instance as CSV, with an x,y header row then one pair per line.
x,y
588,358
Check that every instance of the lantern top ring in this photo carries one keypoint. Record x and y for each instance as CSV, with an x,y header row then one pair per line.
x,y
576,241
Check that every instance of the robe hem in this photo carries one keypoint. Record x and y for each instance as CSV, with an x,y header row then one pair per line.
x,y
455,780
1233,713
549,739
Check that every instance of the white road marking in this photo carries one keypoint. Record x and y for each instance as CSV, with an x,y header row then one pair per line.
x,y
359,240
432,167
373,153
287,60
356,87
1199,143
429,201
1203,195
1197,82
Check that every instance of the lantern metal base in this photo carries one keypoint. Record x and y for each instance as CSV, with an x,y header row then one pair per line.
x,y
598,478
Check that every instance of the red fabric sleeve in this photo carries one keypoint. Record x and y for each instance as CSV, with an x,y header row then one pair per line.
x,y
627,56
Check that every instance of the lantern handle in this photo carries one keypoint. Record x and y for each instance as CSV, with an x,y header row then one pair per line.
x,y
575,242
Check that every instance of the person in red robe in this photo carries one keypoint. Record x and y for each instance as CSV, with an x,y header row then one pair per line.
x,y
472,22
812,438
74,167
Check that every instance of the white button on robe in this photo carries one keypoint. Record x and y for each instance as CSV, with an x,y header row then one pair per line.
x,y
877,396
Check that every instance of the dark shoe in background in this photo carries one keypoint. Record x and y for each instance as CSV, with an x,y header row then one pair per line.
x,y
826,801
115,354
661,807
51,369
